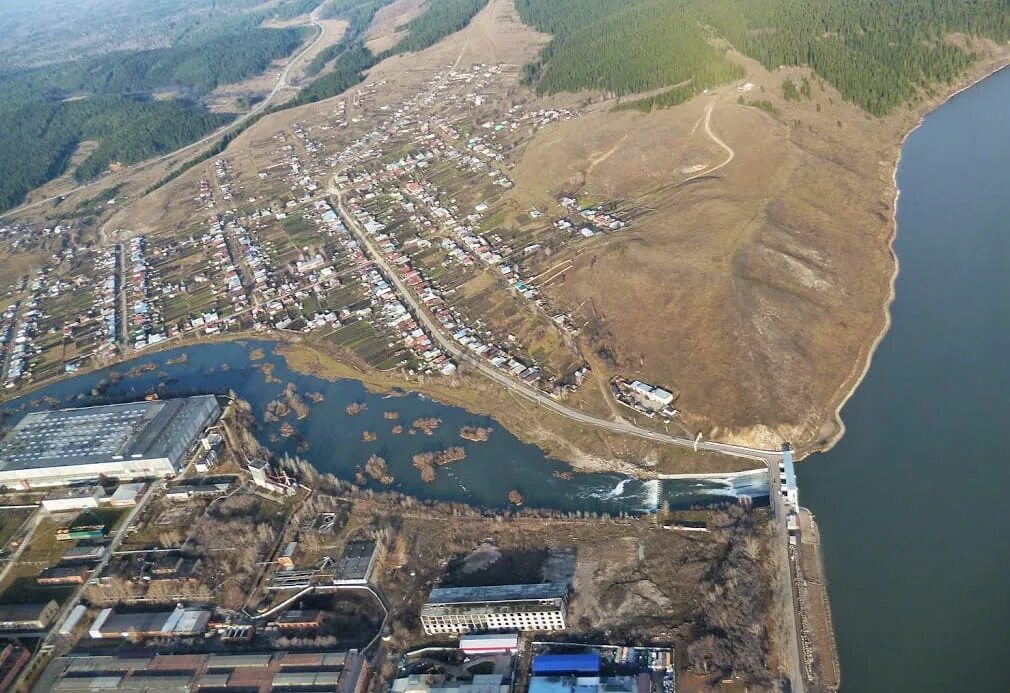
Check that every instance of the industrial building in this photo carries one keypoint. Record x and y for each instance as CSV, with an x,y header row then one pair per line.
x,y
286,559
180,623
13,657
63,575
578,673
355,566
83,552
125,496
147,672
601,669
134,440
488,643
300,619
534,607
75,498
28,616
440,683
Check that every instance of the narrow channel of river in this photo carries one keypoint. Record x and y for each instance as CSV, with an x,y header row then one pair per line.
x,y
335,442
912,502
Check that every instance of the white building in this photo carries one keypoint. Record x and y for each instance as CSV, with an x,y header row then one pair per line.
x,y
79,498
126,441
485,643
125,495
537,607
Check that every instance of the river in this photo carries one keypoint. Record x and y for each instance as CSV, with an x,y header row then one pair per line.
x,y
334,441
912,502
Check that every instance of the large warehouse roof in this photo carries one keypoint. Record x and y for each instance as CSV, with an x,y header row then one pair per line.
x,y
89,435
499,593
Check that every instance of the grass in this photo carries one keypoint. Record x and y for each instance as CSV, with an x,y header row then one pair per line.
x,y
10,520
586,447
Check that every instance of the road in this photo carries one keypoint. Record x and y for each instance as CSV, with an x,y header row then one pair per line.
x,y
75,598
768,457
123,328
35,520
281,84
784,594
730,154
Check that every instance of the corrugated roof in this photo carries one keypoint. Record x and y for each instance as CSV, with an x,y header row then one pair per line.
x,y
588,663
500,593
240,660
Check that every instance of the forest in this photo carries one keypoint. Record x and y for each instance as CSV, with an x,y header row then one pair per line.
x,y
622,48
196,69
49,110
350,58
879,54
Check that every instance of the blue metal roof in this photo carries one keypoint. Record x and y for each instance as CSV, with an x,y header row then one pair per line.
x,y
548,664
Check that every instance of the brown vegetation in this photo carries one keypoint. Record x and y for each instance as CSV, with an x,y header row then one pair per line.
x,y
428,461
731,632
478,434
428,426
377,468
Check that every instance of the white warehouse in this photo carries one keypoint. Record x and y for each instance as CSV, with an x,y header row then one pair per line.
x,y
534,607
126,441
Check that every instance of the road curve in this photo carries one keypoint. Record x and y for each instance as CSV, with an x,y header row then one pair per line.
x,y
282,83
767,457
730,154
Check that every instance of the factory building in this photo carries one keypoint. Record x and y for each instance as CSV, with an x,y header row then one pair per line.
x,y
134,440
486,643
355,566
180,623
536,607
578,673
28,616
144,671
76,498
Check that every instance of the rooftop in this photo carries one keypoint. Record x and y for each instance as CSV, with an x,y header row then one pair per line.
x,y
356,561
90,435
499,593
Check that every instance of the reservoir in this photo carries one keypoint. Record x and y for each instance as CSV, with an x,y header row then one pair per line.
x,y
912,502
337,442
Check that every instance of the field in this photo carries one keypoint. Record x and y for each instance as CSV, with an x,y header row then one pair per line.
x,y
736,254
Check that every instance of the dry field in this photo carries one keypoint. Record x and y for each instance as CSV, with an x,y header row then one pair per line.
x,y
755,292
751,280
382,34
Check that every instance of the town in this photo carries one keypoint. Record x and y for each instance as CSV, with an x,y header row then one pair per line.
x,y
156,545
274,252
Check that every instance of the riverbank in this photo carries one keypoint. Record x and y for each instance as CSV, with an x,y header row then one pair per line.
x,y
909,503
583,448
817,629
861,367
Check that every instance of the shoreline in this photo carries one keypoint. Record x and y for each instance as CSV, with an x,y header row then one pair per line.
x,y
379,382
862,367
713,475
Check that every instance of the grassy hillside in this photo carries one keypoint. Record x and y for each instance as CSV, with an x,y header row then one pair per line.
x,y
350,58
879,54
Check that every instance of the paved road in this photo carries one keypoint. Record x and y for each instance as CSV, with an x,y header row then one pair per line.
x,y
447,344
15,557
282,83
75,598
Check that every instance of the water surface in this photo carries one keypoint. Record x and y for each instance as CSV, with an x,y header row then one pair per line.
x,y
912,503
334,441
